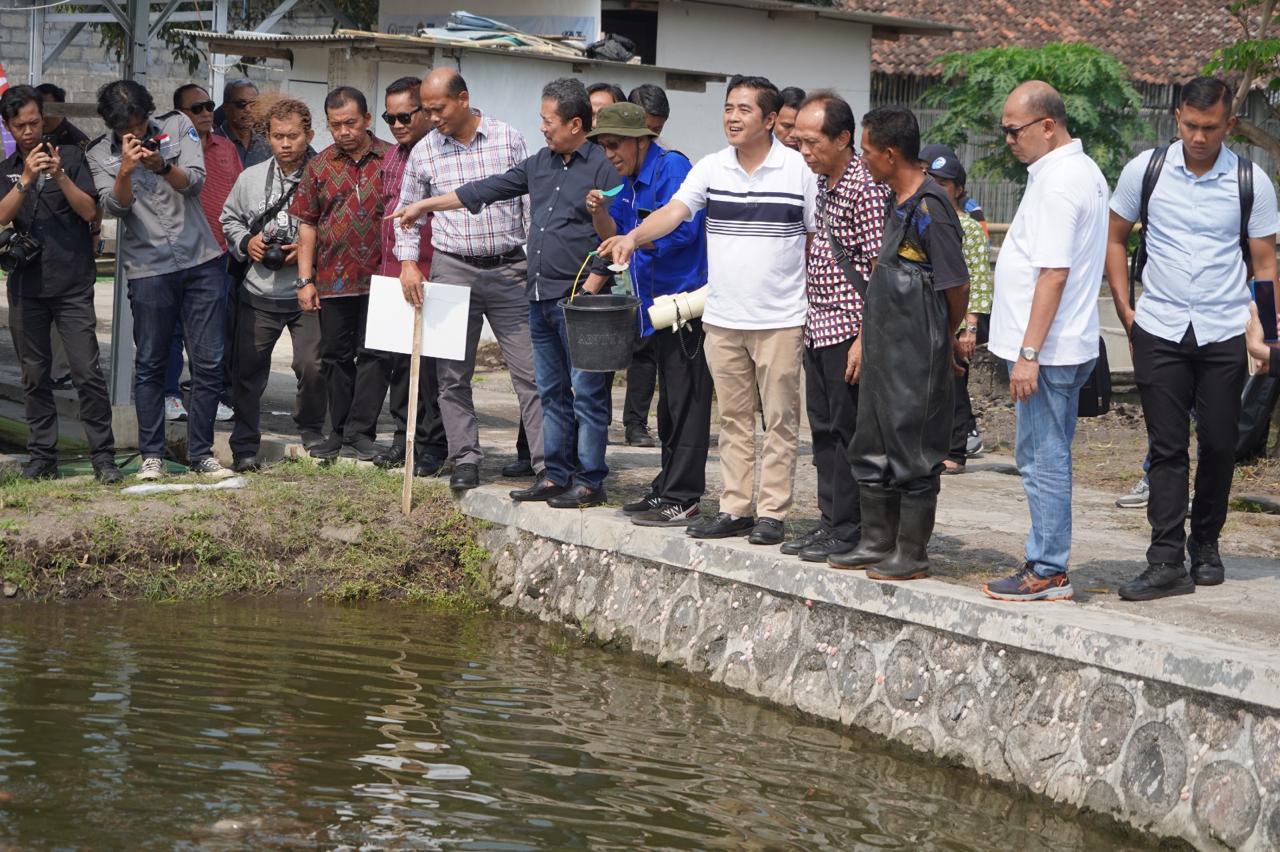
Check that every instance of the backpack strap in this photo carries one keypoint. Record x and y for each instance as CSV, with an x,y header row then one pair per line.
x,y
1244,181
1139,260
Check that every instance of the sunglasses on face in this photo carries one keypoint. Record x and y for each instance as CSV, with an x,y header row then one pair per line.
x,y
393,118
243,103
201,106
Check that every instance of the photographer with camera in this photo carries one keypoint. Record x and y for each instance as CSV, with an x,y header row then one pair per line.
x,y
260,231
148,173
48,256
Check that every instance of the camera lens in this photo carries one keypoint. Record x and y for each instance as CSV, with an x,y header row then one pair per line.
x,y
273,258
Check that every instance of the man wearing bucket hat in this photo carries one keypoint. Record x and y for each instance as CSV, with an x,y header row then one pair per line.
x,y
575,402
676,263
760,201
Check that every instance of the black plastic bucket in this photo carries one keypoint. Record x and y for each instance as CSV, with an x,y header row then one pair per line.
x,y
602,331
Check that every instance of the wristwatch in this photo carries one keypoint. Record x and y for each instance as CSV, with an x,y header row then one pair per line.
x,y
20,186
299,283
1030,354
972,329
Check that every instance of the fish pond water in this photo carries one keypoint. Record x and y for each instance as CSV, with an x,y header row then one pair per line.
x,y
277,724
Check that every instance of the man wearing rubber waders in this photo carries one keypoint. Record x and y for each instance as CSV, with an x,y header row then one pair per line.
x,y
677,263
575,403
915,301
759,199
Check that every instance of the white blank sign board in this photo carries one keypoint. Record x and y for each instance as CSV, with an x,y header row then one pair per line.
x,y
444,319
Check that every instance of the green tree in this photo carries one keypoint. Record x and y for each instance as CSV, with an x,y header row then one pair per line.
x,y
1255,57
1102,104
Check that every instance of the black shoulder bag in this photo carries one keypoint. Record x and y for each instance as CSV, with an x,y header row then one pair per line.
x,y
843,260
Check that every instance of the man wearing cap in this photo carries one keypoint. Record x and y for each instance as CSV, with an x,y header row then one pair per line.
x,y
676,263
942,164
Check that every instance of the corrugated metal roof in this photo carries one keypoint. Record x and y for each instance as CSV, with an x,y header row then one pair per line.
x,y
245,43
883,25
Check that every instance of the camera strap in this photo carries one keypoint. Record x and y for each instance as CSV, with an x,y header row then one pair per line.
x,y
268,214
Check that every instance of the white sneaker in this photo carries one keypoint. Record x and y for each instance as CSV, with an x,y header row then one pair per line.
x,y
211,468
973,444
1138,497
225,413
152,468
173,409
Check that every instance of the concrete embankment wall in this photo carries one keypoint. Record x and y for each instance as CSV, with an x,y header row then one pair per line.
x,y
1170,731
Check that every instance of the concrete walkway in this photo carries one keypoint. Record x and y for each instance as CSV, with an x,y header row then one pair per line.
x,y
982,518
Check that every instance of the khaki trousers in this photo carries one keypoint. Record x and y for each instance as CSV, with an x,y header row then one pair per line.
x,y
740,360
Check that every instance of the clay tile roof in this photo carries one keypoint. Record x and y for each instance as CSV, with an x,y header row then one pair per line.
x,y
1159,41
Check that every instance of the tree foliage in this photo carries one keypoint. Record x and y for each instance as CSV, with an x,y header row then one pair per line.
x,y
1102,104
242,15
1255,59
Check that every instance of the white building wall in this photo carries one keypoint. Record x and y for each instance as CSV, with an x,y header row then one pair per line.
x,y
811,54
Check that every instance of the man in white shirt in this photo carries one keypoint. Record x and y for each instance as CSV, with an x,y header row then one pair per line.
x,y
759,196
1044,323
1188,330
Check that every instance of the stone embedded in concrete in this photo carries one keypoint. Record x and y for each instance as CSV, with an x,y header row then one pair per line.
x,y
1155,768
1178,761
1225,802
1108,718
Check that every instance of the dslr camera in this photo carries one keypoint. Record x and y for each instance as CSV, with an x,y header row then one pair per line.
x,y
151,143
17,250
273,257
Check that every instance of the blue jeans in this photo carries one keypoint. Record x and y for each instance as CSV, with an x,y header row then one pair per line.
x,y
1046,426
575,403
194,298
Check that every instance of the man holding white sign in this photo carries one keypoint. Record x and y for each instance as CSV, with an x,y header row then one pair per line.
x,y
482,252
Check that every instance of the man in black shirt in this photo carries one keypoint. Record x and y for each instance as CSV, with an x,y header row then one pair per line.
x,y
49,199
62,131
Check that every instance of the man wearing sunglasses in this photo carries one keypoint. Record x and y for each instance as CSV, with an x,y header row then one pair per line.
x,y
222,167
408,123
238,98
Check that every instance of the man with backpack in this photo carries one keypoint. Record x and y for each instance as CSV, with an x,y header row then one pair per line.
x,y
1204,211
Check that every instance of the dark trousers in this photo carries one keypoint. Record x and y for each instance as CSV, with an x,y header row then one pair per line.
x,y
522,445
195,300
257,330
429,436
1173,378
642,377
684,413
350,371
30,322
964,420
833,417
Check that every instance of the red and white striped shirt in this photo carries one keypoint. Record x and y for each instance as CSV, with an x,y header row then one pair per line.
x,y
221,168
439,164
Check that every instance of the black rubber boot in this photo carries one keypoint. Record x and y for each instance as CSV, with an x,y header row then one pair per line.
x,y
880,508
910,561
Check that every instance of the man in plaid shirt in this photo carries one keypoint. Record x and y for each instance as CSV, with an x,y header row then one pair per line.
x,y
482,251
850,213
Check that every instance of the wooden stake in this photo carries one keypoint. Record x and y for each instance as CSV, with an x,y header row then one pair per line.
x,y
411,416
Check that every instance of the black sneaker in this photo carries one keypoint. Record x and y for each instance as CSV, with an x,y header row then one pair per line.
x,y
518,469
1206,564
766,531
825,548
40,469
311,439
721,525
465,477
647,504
327,449
1159,580
813,536
666,515
362,449
106,472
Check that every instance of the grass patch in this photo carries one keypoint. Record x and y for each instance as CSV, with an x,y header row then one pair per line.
x,y
332,532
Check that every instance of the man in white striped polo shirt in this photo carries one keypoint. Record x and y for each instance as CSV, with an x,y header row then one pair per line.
x,y
759,196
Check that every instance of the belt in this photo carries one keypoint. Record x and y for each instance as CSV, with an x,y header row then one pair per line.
x,y
487,261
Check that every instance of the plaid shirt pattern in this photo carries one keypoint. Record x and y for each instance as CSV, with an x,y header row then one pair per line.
x,y
438,165
342,199
393,168
854,211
